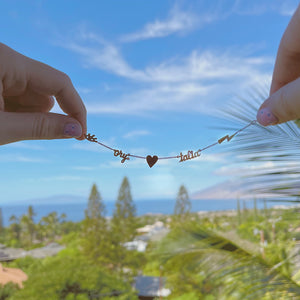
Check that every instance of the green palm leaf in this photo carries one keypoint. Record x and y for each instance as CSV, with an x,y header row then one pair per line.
x,y
241,273
279,146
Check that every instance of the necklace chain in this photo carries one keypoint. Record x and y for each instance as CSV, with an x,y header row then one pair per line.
x,y
151,160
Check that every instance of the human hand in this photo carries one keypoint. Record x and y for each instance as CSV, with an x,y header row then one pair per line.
x,y
283,103
27,88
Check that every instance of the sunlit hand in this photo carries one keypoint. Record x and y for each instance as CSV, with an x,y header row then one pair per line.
x,y
27,88
283,103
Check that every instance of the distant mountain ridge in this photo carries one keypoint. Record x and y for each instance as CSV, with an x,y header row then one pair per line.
x,y
226,190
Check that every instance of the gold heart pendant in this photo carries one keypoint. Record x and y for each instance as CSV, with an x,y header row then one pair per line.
x,y
151,160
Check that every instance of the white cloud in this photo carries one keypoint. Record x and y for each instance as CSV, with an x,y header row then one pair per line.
x,y
132,163
194,82
257,7
63,178
83,168
206,65
288,7
199,65
88,146
21,158
105,56
83,90
25,145
177,22
142,151
245,169
136,133
155,98
214,158
182,21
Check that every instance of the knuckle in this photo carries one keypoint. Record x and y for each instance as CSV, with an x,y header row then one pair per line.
x,y
64,78
64,83
41,126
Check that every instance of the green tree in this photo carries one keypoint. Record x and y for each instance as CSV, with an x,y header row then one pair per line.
x,y
123,227
31,227
28,229
1,221
205,262
7,290
96,208
14,231
124,221
239,215
64,277
49,226
183,205
255,209
95,239
25,236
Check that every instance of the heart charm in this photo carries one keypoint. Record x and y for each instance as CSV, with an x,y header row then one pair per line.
x,y
151,160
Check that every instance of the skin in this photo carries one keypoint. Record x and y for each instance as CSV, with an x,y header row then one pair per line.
x,y
27,92
284,99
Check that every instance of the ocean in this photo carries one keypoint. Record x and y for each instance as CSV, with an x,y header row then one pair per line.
x,y
75,211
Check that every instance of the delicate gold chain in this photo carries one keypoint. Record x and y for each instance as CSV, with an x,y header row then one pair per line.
x,y
151,160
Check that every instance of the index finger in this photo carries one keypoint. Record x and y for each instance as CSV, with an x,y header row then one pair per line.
x,y
287,65
47,80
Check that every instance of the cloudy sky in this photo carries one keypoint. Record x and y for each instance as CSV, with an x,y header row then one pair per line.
x,y
154,76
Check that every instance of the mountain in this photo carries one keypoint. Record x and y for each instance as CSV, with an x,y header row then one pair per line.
x,y
227,190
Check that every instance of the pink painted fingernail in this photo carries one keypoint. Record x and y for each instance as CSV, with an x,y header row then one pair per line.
x,y
265,117
72,130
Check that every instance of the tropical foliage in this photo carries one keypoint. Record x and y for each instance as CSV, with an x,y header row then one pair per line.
x,y
272,151
249,254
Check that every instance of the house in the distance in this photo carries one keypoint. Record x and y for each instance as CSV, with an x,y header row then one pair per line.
x,y
9,254
150,287
154,232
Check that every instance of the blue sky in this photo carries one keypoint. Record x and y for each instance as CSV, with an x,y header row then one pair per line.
x,y
153,76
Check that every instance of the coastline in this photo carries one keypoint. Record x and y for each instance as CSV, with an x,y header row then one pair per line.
x,y
75,211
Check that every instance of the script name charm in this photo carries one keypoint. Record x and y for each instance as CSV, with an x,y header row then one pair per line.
x,y
189,155
122,155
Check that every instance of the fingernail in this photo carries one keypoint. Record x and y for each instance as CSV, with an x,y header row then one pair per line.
x,y
72,130
265,117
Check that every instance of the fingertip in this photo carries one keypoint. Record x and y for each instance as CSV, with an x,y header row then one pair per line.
x,y
265,117
72,130
281,106
81,118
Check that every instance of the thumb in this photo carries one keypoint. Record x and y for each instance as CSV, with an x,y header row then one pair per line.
x,y
281,106
36,126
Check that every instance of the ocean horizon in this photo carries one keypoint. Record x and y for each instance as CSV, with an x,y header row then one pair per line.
x,y
75,211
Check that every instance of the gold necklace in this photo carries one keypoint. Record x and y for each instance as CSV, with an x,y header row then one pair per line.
x,y
151,160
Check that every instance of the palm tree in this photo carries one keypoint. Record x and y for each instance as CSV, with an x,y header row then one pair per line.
x,y
28,227
272,151
235,271
14,228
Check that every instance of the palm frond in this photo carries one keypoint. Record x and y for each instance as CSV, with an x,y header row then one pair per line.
x,y
274,151
237,269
